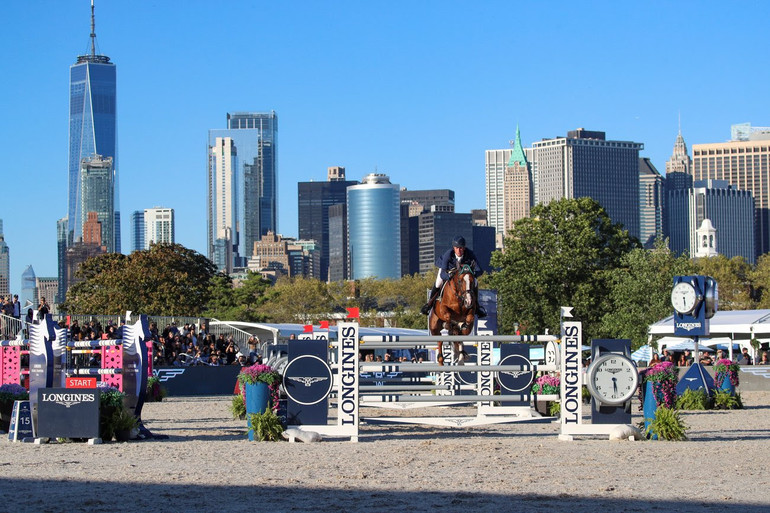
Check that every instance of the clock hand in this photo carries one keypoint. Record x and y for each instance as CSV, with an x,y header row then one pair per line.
x,y
615,384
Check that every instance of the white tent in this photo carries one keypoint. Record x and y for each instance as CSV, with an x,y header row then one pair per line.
x,y
739,326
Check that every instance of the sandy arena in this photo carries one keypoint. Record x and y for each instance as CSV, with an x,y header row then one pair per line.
x,y
207,464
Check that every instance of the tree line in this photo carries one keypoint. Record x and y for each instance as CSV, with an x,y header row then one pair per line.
x,y
567,253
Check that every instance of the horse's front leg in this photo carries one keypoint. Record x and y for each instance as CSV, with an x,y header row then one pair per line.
x,y
440,353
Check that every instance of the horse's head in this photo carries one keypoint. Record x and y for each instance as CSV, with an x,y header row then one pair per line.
x,y
466,282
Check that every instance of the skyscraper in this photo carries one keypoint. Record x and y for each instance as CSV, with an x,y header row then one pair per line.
x,y
586,164
28,287
137,230
5,264
92,131
97,193
745,163
158,226
314,201
374,228
242,194
730,211
650,203
517,186
678,177
495,165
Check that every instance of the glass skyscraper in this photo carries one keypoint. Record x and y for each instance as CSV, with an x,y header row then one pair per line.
x,y
374,228
242,192
92,130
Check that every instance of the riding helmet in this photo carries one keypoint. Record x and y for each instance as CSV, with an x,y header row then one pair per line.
x,y
458,242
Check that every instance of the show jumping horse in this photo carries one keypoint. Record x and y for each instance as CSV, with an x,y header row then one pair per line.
x,y
454,310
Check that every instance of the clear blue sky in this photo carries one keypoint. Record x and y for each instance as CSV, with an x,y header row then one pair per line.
x,y
414,89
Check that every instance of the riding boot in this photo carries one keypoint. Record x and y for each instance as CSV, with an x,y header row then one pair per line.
x,y
481,312
425,310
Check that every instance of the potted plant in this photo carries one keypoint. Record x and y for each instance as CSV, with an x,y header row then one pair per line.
x,y
110,401
256,376
658,391
260,387
726,375
265,426
123,422
9,393
155,392
667,425
546,385
238,406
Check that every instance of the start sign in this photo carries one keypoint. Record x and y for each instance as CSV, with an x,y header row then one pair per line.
x,y
81,382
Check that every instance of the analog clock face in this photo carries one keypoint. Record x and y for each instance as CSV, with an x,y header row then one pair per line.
x,y
683,297
612,379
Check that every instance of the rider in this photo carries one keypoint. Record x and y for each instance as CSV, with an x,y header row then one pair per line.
x,y
451,261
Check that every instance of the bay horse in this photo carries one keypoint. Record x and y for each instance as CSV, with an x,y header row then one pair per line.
x,y
454,309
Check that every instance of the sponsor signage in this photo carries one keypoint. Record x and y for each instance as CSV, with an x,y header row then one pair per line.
x,y
67,413
81,382
307,380
571,373
21,422
198,380
515,381
348,384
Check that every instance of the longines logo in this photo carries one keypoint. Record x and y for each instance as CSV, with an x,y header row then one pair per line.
x,y
515,381
68,400
689,326
167,374
307,381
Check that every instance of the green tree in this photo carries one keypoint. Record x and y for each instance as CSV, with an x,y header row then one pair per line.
x,y
733,276
640,291
297,300
760,280
167,279
240,302
558,257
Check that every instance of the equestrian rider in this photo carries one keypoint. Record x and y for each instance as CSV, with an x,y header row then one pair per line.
x,y
451,261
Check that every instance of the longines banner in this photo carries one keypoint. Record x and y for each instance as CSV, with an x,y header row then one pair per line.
x,y
67,413
198,380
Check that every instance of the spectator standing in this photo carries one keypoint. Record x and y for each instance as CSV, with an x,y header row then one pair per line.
x,y
16,307
745,357
764,360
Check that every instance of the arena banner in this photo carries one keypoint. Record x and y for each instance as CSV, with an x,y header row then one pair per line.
x,y
198,380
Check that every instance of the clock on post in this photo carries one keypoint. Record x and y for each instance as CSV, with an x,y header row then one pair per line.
x,y
695,300
612,380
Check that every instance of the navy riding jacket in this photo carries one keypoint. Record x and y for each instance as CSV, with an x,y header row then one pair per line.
x,y
448,261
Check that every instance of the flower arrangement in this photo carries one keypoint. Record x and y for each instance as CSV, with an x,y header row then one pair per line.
x,y
664,377
12,392
725,368
546,385
110,402
155,392
259,373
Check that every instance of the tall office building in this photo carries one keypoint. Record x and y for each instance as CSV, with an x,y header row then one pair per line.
x,y
314,201
517,186
48,287
5,264
29,287
651,196
97,193
730,211
495,165
137,230
437,229
374,228
62,238
338,243
242,192
158,226
413,204
92,131
678,177
586,164
744,162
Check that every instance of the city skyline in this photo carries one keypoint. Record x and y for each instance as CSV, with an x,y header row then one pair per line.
x,y
370,87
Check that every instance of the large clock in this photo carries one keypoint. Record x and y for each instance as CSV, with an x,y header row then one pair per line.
x,y
612,379
684,298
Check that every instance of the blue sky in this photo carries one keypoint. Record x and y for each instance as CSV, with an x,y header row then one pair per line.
x,y
414,89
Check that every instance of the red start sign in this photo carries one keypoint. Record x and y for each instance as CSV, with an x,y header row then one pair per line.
x,y
89,382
